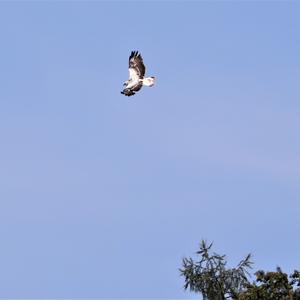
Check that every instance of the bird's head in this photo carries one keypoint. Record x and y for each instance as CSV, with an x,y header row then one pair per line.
x,y
151,80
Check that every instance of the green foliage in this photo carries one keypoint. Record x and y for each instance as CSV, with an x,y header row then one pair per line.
x,y
211,277
273,286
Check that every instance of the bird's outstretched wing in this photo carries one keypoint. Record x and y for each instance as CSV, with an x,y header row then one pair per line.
x,y
136,64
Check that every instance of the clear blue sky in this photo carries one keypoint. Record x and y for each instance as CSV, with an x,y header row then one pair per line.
x,y
102,195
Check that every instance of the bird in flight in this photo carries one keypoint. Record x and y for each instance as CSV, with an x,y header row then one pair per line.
x,y
136,75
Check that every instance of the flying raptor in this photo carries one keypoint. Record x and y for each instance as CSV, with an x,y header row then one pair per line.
x,y
136,75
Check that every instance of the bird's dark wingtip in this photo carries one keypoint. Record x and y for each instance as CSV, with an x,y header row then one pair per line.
x,y
128,92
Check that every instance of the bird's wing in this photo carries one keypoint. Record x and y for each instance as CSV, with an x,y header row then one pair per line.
x,y
136,63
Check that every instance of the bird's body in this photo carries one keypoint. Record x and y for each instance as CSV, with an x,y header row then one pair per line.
x,y
136,75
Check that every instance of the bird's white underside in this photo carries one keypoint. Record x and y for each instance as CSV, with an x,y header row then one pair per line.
x,y
134,80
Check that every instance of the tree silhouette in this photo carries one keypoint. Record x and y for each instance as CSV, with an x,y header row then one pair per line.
x,y
273,286
211,277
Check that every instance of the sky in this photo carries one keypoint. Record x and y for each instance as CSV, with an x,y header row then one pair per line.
x,y
101,195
